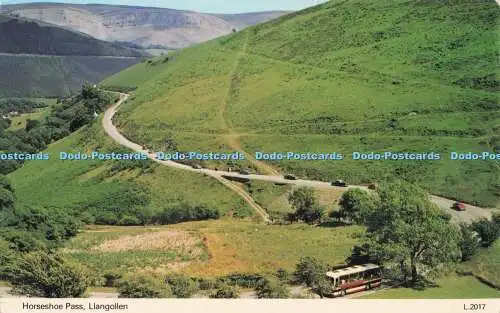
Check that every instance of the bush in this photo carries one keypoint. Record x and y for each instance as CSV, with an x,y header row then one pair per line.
x,y
142,286
354,203
129,220
22,241
282,275
311,272
207,283
225,292
306,206
47,275
308,271
469,242
185,213
111,278
243,280
488,231
182,287
272,288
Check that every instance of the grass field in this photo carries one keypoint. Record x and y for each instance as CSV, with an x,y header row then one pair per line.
x,y
228,246
452,287
135,248
486,264
325,79
19,122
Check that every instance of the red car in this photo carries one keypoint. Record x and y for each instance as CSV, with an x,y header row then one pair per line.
x,y
459,206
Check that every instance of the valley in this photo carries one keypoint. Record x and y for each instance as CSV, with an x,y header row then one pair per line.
x,y
253,153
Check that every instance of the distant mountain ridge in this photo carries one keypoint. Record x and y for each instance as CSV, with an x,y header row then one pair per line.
x,y
18,36
43,60
143,26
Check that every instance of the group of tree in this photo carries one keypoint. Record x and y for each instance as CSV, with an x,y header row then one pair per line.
x,y
306,206
20,105
406,231
27,237
66,117
46,274
136,212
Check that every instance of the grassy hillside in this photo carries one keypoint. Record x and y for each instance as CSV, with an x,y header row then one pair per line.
x,y
345,76
108,186
486,263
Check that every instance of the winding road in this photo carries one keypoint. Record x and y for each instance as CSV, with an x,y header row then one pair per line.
x,y
471,213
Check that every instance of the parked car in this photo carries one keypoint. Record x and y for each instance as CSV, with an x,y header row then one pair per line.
x,y
290,177
196,166
339,183
459,206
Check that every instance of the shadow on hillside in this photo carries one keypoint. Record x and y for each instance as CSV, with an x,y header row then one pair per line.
x,y
423,284
333,224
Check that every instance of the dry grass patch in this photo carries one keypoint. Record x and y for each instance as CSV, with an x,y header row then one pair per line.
x,y
329,197
152,241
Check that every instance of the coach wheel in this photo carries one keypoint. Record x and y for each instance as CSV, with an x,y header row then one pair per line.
x,y
344,292
368,287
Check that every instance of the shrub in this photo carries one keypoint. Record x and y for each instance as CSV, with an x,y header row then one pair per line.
x,y
225,292
469,242
282,274
181,286
488,231
185,213
272,288
47,275
111,278
128,220
308,271
207,283
142,286
242,280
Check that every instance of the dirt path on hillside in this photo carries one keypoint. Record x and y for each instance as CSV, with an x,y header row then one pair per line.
x,y
233,138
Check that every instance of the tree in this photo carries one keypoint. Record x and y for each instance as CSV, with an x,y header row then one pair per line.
x,y
488,231
469,242
282,274
354,203
225,292
407,229
312,273
47,275
6,194
30,124
6,257
306,206
6,199
142,286
272,288
182,287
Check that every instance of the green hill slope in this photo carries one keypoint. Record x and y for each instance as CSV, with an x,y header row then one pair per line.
x,y
345,76
42,60
113,191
